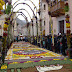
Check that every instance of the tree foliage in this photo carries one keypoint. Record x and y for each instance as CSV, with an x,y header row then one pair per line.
x,y
8,10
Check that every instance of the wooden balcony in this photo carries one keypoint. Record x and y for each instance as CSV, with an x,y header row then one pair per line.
x,y
57,9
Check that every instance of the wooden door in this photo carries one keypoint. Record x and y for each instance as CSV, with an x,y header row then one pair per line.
x,y
61,27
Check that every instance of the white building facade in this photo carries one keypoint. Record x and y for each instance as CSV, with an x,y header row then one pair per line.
x,y
59,23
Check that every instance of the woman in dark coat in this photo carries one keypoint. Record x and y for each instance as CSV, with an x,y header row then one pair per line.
x,y
71,40
55,43
64,44
50,43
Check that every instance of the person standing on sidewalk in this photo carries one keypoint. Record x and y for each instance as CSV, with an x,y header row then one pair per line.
x,y
60,44
35,40
17,38
50,43
39,41
71,40
64,44
43,42
55,43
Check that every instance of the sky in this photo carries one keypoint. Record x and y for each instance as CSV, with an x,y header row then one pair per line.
x,y
36,2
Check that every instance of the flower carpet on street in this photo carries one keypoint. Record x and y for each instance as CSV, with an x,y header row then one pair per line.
x,y
23,50
23,45
30,53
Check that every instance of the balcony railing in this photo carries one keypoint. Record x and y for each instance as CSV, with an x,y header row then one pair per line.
x,y
57,8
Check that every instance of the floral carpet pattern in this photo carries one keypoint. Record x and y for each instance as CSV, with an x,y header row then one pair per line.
x,y
30,53
23,50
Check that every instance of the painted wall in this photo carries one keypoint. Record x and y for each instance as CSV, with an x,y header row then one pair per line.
x,y
2,20
56,20
45,17
70,13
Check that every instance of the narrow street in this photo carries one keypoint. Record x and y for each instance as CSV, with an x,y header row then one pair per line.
x,y
35,35
23,53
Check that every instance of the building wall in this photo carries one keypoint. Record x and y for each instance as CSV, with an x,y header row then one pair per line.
x,y
55,25
24,30
34,27
15,25
31,30
55,20
1,30
45,17
2,20
38,27
70,13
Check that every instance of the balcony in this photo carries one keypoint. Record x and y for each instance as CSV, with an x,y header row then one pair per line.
x,y
57,9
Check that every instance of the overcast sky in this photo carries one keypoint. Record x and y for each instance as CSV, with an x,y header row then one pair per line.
x,y
36,2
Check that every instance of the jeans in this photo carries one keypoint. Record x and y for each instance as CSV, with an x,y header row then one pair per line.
x,y
61,49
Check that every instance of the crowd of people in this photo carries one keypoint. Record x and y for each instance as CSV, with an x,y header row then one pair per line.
x,y
60,42
21,38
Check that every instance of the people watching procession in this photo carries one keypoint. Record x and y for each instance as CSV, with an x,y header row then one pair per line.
x,y
60,42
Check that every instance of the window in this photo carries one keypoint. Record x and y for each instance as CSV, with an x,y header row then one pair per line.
x,y
44,7
0,27
44,23
49,28
61,27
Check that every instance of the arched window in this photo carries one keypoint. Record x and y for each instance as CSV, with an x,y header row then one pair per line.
x,y
44,7
44,23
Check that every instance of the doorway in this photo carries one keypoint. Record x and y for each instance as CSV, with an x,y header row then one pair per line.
x,y
61,27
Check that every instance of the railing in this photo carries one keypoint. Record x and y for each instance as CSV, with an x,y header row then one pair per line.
x,y
59,5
